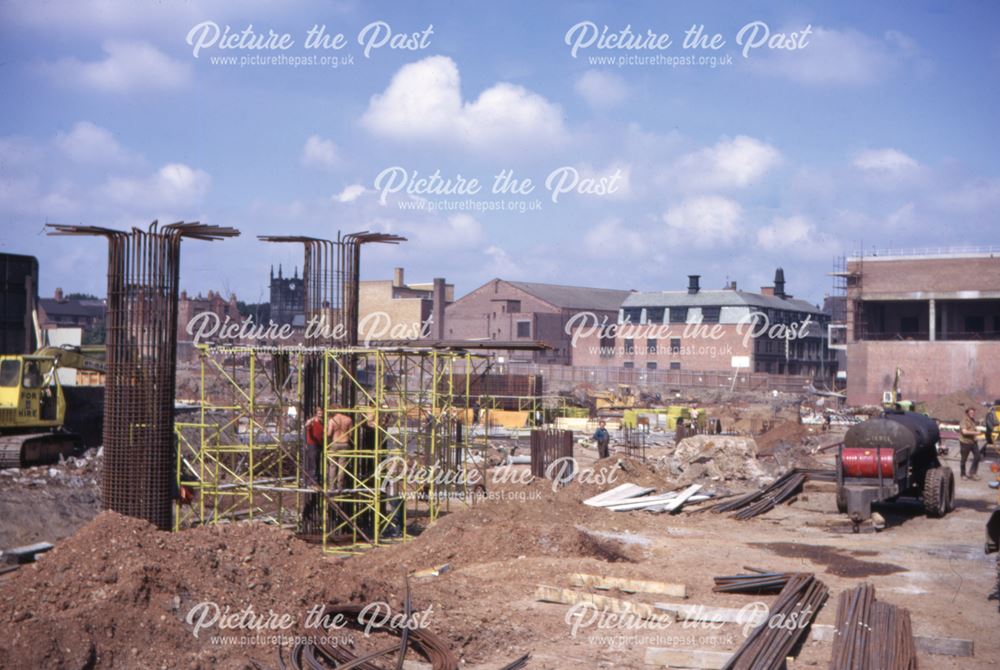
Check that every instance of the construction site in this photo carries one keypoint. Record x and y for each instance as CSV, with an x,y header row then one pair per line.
x,y
342,503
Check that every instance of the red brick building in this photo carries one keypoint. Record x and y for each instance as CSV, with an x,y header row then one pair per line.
x,y
934,315
713,330
508,310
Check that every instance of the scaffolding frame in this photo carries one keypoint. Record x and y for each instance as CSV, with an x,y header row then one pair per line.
x,y
410,450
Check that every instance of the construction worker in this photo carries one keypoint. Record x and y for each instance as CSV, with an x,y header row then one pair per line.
x,y
991,422
603,438
967,434
310,463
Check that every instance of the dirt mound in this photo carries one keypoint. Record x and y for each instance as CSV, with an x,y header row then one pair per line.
x,y
951,407
786,433
116,593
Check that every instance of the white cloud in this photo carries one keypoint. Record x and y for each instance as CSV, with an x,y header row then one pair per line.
x,y
730,163
424,102
319,152
501,264
974,196
611,236
840,57
350,193
174,185
705,221
90,143
601,89
786,233
885,161
128,66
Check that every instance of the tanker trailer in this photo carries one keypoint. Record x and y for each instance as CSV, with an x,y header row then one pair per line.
x,y
892,456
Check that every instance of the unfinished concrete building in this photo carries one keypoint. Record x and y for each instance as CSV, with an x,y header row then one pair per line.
x,y
934,314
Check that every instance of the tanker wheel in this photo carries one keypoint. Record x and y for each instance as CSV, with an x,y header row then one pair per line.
x,y
841,501
935,493
949,489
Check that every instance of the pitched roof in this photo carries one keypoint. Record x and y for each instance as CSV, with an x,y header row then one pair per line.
x,y
725,298
89,308
575,297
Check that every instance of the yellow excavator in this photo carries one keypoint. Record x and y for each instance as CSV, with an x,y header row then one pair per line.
x,y
33,406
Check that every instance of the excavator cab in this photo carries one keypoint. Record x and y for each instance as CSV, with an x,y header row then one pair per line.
x,y
30,395
32,411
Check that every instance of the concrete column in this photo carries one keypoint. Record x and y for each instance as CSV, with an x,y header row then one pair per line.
x,y
931,314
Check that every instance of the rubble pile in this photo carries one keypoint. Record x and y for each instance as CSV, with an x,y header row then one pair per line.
x,y
49,502
715,458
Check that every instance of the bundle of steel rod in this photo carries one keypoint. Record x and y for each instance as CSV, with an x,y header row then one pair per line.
x,y
872,635
757,582
769,644
758,502
819,474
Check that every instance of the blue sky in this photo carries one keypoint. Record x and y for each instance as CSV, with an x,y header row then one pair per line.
x,y
878,130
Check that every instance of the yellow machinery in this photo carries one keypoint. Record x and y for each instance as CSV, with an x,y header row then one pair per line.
x,y
893,399
623,398
33,407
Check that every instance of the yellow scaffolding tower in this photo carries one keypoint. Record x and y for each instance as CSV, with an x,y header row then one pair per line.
x,y
411,448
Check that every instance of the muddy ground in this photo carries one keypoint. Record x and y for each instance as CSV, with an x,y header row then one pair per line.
x,y
118,594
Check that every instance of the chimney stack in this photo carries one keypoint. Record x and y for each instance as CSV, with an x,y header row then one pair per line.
x,y
397,278
693,286
59,295
779,283
437,307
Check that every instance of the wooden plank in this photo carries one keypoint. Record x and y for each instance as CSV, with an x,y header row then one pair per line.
x,y
690,612
687,658
628,585
941,646
552,594
618,494
681,498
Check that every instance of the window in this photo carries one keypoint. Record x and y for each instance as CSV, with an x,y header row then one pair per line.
x,y
607,347
650,345
675,365
675,345
975,324
524,329
651,365
628,365
10,371
513,305
655,314
678,314
629,346
632,314
710,314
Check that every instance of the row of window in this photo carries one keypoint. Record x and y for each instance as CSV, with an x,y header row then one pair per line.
x,y
675,315
651,365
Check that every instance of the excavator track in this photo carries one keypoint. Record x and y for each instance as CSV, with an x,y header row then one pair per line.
x,y
23,451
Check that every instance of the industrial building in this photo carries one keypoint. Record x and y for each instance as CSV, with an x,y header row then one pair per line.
x,y
511,310
933,314
393,309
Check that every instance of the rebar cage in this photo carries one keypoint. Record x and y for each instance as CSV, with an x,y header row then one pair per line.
x,y
411,447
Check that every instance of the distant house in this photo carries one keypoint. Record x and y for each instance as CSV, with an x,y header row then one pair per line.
x,y
60,311
715,330
512,310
